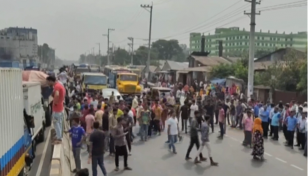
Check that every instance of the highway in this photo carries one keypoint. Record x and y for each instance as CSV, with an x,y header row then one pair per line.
x,y
153,158
41,163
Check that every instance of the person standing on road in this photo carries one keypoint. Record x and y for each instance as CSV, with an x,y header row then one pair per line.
x,y
194,138
105,127
301,127
275,124
120,144
128,125
222,121
144,121
77,136
265,119
57,106
193,109
205,140
291,127
184,111
258,142
96,154
248,124
305,129
157,112
112,125
90,119
173,130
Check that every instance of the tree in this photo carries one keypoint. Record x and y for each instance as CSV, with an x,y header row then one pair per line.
x,y
141,55
302,85
168,49
121,57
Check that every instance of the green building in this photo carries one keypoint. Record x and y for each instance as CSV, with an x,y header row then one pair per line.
x,y
236,41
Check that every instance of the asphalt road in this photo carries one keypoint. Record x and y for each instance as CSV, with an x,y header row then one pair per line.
x,y
41,163
153,158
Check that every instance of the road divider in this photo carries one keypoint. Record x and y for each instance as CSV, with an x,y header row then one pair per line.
x,y
62,162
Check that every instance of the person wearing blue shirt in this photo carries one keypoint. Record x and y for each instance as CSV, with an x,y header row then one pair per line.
x,y
77,135
291,126
256,110
270,111
298,133
275,124
264,117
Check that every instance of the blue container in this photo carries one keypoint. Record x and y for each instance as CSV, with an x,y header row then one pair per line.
x,y
9,64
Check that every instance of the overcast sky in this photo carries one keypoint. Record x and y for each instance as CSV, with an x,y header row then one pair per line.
x,y
73,27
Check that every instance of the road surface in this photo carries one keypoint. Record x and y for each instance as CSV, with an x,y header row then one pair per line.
x,y
41,163
153,158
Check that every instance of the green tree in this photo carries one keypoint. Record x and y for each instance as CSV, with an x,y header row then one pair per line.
x,y
302,85
168,49
121,57
141,55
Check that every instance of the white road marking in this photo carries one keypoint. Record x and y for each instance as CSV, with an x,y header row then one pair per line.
x,y
281,160
297,167
267,154
39,169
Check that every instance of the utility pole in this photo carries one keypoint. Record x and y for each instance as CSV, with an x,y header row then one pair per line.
x,y
150,30
99,54
107,35
131,45
252,15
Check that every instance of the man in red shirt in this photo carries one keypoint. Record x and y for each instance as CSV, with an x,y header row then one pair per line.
x,y
57,106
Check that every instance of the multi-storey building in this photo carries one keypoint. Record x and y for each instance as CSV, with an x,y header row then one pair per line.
x,y
236,40
19,44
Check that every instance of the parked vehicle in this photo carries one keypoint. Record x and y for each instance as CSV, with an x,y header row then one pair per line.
x,y
108,91
22,122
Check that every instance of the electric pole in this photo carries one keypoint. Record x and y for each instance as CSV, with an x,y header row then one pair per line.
x,y
99,54
252,15
131,45
107,35
150,30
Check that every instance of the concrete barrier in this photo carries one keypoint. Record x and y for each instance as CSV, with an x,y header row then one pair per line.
x,y
62,162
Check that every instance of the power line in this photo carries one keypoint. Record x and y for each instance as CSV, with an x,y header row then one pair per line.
x,y
287,7
193,28
134,19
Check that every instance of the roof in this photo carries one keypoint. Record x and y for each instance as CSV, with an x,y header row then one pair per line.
x,y
279,50
93,74
152,68
233,59
197,69
262,65
177,65
210,60
140,67
126,73
161,63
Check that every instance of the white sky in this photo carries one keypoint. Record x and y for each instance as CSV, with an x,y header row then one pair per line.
x,y
73,27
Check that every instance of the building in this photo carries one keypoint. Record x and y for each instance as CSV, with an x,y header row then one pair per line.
x,y
19,44
278,57
236,40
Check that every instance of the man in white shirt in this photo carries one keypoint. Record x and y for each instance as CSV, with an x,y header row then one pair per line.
x,y
173,131
306,129
193,109
302,128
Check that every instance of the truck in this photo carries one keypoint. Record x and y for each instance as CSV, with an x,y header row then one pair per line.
x,y
125,81
22,122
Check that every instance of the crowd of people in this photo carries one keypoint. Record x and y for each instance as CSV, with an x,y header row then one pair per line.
x,y
105,124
